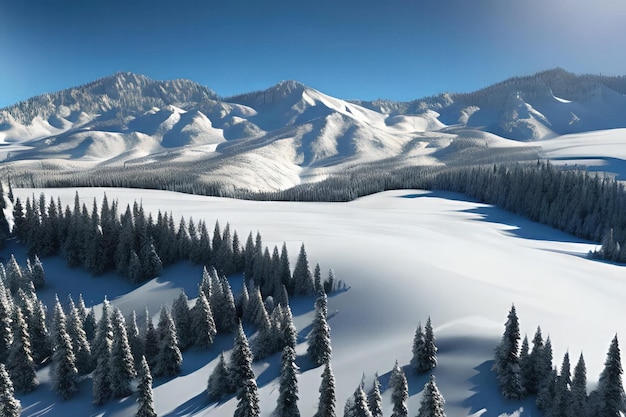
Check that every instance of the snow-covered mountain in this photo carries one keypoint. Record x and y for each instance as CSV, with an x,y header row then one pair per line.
x,y
291,133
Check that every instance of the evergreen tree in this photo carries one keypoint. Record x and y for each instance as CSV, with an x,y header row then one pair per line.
x,y
360,407
287,403
524,363
145,397
248,396
121,361
562,393
432,401
284,271
326,405
6,333
506,363
90,325
9,405
317,278
182,320
101,351
319,348
134,339
169,359
375,400
150,342
303,281
20,363
399,393
203,328
610,390
219,383
39,337
38,276
267,340
63,371
578,405
545,396
533,372
151,264
241,361
288,335
80,344
135,271
427,351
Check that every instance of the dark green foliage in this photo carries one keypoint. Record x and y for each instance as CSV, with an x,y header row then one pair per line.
x,y
169,358
145,397
219,385
287,402
20,363
506,365
610,391
578,404
248,396
303,280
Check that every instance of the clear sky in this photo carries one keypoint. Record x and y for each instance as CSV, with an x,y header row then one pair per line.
x,y
396,49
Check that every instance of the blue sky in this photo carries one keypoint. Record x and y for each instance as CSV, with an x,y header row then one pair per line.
x,y
396,49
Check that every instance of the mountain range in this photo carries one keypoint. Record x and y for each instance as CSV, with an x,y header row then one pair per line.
x,y
291,133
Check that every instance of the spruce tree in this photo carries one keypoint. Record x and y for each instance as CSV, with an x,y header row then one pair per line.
x,y
169,359
241,360
134,338
150,342
287,403
534,372
182,320
506,363
428,352
20,363
578,405
145,397
524,363
399,392
545,396
39,336
9,405
203,328
303,281
432,401
80,344
319,348
248,396
121,361
219,385
38,276
562,393
63,371
360,406
326,405
418,348
610,389
374,399
6,333
101,351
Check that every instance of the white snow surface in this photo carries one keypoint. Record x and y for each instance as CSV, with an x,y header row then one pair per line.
x,y
404,255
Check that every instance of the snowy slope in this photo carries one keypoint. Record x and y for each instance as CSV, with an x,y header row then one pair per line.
x,y
404,255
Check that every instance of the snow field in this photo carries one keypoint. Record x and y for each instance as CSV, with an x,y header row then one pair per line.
x,y
405,255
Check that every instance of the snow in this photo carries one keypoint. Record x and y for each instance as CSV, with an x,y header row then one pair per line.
x,y
404,255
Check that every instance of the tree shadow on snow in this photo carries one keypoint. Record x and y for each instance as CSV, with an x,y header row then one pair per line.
x,y
487,397
192,406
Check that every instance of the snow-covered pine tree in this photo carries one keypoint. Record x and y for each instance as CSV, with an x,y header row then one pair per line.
x,y
284,270
134,338
151,264
203,328
63,372
545,396
39,336
326,405
6,333
287,402
9,405
360,406
524,363
169,359
319,347
288,335
302,278
432,401
121,361
533,372
182,320
150,342
610,391
241,360
145,397
506,363
20,363
267,339
248,396
80,344
134,270
374,399
562,393
317,278
101,351
418,348
578,405
219,385
399,391
38,276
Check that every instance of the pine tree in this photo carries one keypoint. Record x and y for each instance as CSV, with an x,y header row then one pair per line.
x,y
9,405
399,393
39,337
134,339
145,397
219,384
319,348
360,407
101,351
374,399
578,405
284,270
169,359
38,276
545,396
151,264
248,396
326,405
20,363
506,363
80,344
150,342
427,355
287,403
533,372
241,360
524,363
303,281
610,390
432,401
135,272
63,371
121,361
182,320
562,393
6,333
203,328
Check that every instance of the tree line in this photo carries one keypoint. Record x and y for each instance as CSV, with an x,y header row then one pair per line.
x,y
522,371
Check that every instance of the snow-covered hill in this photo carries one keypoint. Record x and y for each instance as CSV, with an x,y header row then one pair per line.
x,y
290,133
405,255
